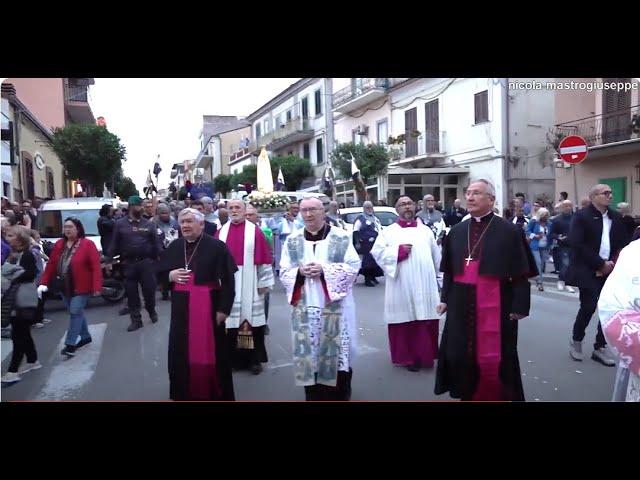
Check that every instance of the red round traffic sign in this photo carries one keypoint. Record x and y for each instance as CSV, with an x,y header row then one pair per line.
x,y
573,149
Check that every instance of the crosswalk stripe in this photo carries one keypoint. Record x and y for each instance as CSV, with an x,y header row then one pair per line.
x,y
7,348
69,376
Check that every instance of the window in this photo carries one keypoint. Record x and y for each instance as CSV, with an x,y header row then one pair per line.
x,y
278,123
306,151
258,132
318,96
50,221
432,126
481,103
382,131
305,107
289,113
290,153
266,127
319,151
410,127
354,136
51,193
28,175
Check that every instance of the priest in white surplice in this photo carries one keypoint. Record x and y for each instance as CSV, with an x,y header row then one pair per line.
x,y
318,268
409,256
252,254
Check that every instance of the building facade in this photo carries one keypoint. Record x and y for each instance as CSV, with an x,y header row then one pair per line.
x,y
298,121
30,168
609,120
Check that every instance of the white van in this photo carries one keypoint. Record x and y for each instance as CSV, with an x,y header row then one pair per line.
x,y
51,216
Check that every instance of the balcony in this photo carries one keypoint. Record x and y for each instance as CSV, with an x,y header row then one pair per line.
x,y
359,94
428,146
295,131
77,100
598,130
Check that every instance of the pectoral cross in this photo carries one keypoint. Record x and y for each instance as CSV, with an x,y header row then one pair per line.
x,y
468,259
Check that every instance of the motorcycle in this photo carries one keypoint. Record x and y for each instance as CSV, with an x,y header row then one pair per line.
x,y
113,290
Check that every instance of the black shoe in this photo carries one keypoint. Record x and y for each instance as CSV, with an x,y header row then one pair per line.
x,y
256,369
266,330
123,311
84,342
375,280
135,325
369,283
154,317
414,367
69,351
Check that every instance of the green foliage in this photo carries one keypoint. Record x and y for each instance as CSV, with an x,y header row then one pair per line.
x,y
249,174
121,185
125,188
294,170
372,159
222,184
89,152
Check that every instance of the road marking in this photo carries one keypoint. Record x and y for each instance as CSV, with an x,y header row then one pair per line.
x,y
7,348
69,376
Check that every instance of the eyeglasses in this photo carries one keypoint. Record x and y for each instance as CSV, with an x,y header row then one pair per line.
x,y
608,193
306,210
405,204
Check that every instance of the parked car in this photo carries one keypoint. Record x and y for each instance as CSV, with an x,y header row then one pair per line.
x,y
386,215
52,214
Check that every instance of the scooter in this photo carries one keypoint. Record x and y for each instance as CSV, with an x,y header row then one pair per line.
x,y
113,290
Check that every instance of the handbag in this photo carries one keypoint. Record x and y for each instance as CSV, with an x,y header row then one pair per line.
x,y
357,242
27,295
57,285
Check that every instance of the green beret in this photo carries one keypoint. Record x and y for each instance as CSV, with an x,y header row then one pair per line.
x,y
135,200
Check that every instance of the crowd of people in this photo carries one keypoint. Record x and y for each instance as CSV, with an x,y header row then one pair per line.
x,y
471,263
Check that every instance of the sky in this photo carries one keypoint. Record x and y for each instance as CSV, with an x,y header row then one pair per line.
x,y
163,116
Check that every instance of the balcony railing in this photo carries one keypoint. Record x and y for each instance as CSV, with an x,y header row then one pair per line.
x,y
296,125
357,89
427,144
78,93
600,129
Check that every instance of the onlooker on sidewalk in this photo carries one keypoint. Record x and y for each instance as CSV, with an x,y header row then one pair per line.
x,y
19,301
539,233
596,237
560,232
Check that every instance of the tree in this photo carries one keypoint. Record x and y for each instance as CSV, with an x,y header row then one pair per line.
x,y
294,170
249,174
372,159
125,188
89,152
222,184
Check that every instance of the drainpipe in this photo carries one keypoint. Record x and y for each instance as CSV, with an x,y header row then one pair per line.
x,y
17,120
506,144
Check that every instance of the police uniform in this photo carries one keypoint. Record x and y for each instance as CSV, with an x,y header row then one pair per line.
x,y
137,243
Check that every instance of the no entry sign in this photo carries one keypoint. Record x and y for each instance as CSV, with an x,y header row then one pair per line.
x,y
573,149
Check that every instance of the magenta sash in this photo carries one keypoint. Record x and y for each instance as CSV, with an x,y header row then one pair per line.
x,y
488,342
203,378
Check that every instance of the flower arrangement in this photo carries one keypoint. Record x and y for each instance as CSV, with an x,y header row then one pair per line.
x,y
268,201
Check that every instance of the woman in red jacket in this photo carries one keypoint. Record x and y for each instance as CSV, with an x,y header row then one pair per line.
x,y
74,271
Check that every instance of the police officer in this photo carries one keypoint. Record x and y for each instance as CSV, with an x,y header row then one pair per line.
x,y
136,241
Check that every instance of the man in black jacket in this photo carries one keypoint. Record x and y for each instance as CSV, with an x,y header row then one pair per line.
x,y
455,214
596,237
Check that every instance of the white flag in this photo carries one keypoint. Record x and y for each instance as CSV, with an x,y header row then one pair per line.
x,y
280,176
354,166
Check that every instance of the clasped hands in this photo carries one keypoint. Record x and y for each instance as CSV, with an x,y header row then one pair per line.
x,y
311,270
